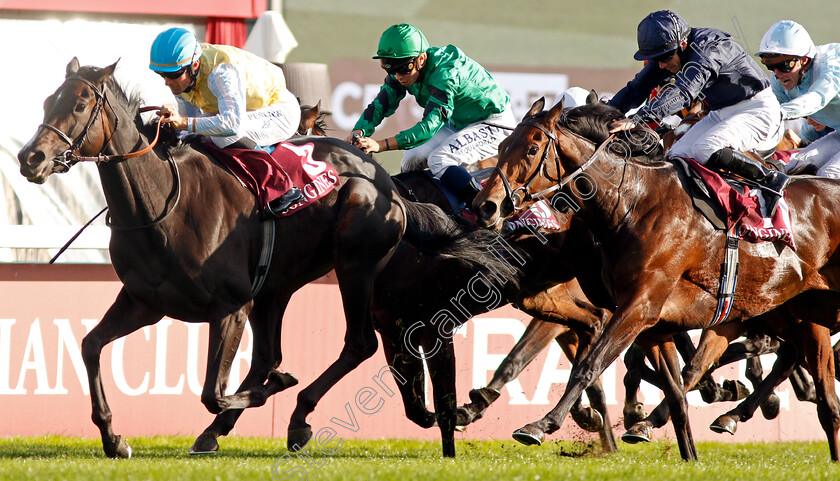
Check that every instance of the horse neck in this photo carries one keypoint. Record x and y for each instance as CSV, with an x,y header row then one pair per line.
x,y
135,189
608,192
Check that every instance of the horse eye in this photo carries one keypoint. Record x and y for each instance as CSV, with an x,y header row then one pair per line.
x,y
533,150
80,107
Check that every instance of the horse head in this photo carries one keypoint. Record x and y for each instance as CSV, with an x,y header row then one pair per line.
x,y
532,161
73,123
312,121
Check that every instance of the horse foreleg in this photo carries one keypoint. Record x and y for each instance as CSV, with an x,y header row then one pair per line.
x,y
125,316
785,363
663,357
409,367
538,335
815,344
265,320
223,342
634,410
617,336
442,372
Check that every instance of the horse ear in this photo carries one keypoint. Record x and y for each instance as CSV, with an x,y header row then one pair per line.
x,y
104,74
554,113
538,107
592,97
72,67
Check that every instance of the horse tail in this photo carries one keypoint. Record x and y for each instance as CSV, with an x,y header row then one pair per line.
x,y
432,232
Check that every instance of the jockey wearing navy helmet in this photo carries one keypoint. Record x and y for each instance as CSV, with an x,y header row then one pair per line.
x,y
709,64
234,97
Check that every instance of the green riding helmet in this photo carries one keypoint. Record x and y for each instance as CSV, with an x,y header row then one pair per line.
x,y
401,41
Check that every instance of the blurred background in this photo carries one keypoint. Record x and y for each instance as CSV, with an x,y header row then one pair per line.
x,y
534,49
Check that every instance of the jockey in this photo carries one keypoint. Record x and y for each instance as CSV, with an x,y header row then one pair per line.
x,y
235,98
708,64
807,83
466,113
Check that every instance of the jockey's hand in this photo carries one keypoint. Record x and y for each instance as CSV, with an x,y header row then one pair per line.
x,y
621,124
172,118
354,137
368,145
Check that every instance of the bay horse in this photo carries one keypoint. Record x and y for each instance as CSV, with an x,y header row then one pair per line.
x,y
187,239
660,289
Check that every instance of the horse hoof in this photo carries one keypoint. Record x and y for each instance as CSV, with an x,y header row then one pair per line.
x,y
588,419
484,396
770,408
204,444
724,424
283,379
737,388
529,436
123,449
638,433
298,438
633,414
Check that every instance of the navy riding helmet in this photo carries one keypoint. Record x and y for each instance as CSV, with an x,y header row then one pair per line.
x,y
659,33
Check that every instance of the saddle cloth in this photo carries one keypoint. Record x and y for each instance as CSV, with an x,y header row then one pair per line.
x,y
735,208
265,175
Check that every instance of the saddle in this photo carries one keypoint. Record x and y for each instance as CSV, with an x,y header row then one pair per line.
x,y
268,176
731,205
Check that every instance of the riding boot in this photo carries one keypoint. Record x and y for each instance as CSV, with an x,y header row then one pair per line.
x,y
278,206
738,163
461,183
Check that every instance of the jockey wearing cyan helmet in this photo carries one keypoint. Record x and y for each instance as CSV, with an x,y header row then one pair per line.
x,y
466,113
235,97
806,80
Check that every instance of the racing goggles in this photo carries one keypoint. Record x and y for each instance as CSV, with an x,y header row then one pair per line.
x,y
173,75
404,68
784,66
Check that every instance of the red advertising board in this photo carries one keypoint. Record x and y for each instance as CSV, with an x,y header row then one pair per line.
x,y
195,8
154,376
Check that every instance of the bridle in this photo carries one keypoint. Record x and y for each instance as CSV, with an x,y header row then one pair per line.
x,y
522,195
68,158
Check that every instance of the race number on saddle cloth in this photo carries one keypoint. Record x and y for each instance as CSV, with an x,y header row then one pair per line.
x,y
262,172
745,212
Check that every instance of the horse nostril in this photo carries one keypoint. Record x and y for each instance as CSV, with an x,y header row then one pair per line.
x,y
487,209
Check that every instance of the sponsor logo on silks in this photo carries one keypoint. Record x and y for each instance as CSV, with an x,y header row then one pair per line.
x,y
483,134
323,178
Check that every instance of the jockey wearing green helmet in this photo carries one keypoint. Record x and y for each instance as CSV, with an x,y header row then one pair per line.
x,y
234,97
466,112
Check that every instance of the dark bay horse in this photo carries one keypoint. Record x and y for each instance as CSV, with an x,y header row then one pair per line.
x,y
488,273
638,210
187,239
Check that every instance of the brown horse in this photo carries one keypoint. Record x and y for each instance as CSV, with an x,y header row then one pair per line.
x,y
187,238
661,289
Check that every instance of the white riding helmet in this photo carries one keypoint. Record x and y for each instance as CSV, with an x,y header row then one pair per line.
x,y
787,37
574,97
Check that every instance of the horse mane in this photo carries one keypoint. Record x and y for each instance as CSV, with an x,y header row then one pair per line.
x,y
591,121
435,233
168,139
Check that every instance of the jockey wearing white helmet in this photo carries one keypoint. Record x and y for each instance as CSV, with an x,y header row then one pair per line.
x,y
234,97
806,81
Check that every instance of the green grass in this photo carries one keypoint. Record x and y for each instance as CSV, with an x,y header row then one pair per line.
x,y
253,458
